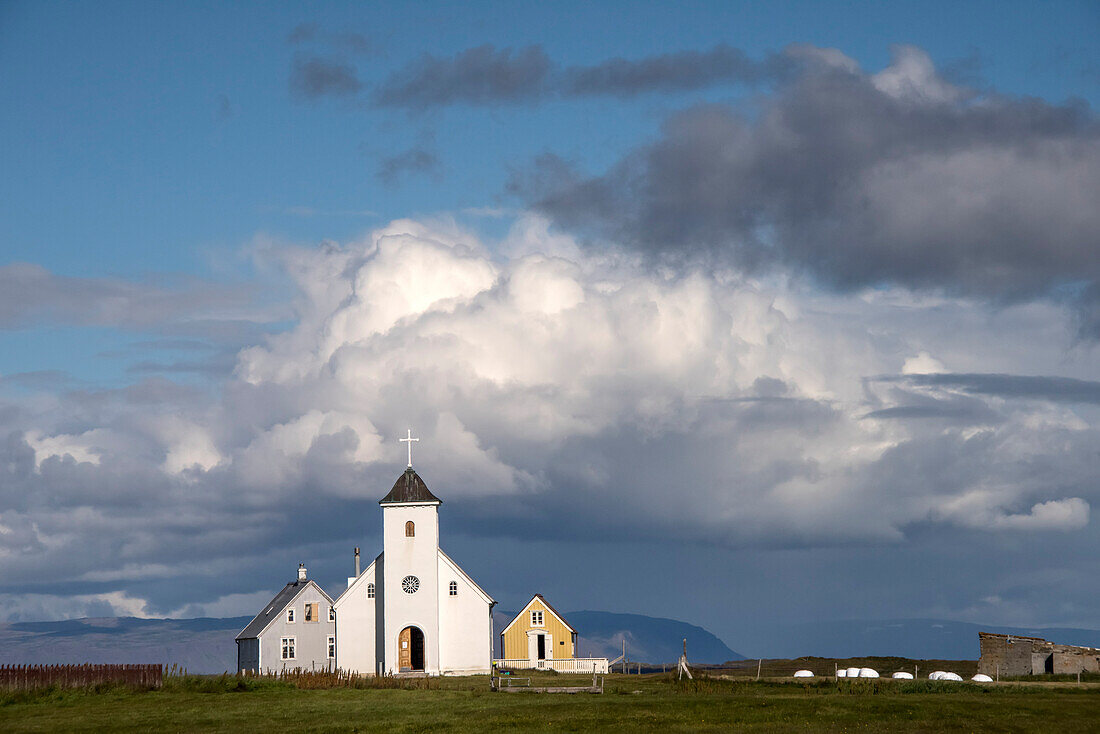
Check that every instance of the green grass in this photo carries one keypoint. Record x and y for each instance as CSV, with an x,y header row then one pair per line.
x,y
1054,677
632,704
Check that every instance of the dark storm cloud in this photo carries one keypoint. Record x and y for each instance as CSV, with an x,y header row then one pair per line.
x,y
38,379
1087,309
858,180
482,75
31,295
302,33
306,33
312,77
113,516
487,75
220,366
1052,389
416,160
938,409
673,72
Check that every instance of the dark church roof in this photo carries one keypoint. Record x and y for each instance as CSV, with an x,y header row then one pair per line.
x,y
276,606
409,487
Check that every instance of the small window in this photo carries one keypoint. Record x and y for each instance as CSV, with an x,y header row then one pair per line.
x,y
453,588
288,648
331,647
410,529
332,614
370,591
311,612
536,618
290,614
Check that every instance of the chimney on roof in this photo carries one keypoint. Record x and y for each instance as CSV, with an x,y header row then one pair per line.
x,y
301,572
356,561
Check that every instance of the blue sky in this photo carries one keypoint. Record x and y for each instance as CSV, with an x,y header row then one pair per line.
x,y
850,244
149,139
121,159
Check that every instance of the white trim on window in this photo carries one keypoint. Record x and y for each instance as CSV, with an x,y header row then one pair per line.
x,y
537,618
452,588
286,646
331,647
290,615
332,614
370,590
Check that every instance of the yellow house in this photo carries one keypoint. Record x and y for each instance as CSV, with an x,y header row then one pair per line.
x,y
537,634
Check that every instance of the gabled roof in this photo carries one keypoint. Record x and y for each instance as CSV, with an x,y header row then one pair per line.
x,y
358,580
409,487
549,608
488,599
276,606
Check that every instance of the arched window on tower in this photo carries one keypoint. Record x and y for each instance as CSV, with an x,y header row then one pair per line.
x,y
370,591
410,529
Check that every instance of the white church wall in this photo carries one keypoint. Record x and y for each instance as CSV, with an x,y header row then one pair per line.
x,y
416,557
356,613
464,624
380,612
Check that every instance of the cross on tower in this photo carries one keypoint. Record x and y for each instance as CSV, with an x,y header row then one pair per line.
x,y
409,439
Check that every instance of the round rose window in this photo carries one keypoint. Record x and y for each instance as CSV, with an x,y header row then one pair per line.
x,y
410,584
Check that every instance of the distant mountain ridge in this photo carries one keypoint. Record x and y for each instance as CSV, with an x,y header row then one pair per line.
x,y
912,638
206,644
202,645
648,639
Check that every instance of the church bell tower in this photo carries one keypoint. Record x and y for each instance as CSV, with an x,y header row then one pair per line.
x,y
410,584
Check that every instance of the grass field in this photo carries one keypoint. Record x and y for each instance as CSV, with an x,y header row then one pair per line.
x,y
630,704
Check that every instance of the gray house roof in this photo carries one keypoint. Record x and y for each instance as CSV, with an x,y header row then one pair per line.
x,y
409,487
276,606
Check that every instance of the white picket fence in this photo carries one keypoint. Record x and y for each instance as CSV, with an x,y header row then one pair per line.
x,y
565,665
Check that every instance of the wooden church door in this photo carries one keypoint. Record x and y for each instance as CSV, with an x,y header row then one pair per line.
x,y
404,649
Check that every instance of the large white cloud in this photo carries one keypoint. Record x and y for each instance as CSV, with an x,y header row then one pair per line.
x,y
510,364
558,393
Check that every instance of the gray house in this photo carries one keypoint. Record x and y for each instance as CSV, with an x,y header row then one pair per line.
x,y
297,629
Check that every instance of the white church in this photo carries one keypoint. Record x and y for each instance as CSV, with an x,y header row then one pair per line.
x,y
413,609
